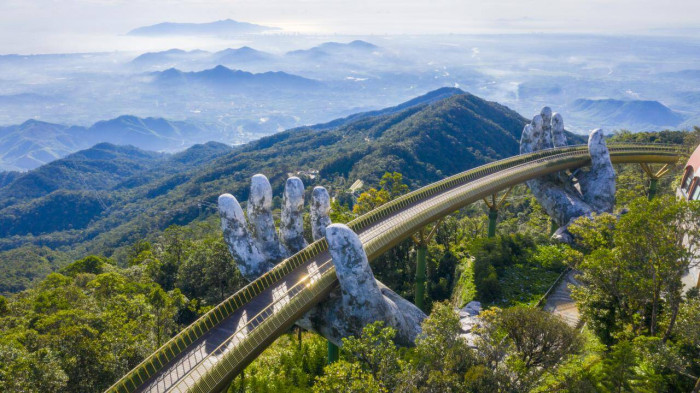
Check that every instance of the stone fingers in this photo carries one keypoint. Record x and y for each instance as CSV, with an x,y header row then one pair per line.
x,y
536,132
545,141
251,262
320,208
260,216
558,135
598,185
559,140
526,143
292,222
359,289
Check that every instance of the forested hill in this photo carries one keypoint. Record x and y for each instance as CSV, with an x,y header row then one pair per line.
x,y
102,167
114,208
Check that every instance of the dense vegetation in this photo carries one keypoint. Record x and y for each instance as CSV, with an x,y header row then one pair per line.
x,y
76,324
125,195
82,327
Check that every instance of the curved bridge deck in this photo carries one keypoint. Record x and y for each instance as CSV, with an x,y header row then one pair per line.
x,y
208,354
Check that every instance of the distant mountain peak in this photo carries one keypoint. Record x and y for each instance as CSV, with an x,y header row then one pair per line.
x,y
170,56
357,44
321,49
242,55
34,122
224,27
243,49
427,98
362,44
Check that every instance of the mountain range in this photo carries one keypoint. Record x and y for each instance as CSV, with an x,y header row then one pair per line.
x,y
356,52
168,57
225,27
173,58
223,78
34,143
638,115
103,199
334,48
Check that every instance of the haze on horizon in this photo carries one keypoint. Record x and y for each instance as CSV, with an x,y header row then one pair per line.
x,y
69,26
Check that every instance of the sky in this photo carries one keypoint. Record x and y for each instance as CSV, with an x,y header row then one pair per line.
x,y
64,26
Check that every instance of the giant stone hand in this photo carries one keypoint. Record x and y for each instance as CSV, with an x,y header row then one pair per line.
x,y
566,197
359,300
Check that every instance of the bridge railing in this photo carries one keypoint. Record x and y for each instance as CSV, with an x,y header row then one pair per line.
x,y
175,346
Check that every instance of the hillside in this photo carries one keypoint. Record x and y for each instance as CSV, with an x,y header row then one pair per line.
x,y
431,97
33,143
98,168
425,142
104,166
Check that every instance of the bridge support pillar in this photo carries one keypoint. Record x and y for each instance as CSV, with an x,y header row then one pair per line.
x,y
652,188
654,177
494,204
493,216
421,242
420,275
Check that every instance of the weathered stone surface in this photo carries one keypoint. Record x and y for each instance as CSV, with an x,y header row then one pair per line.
x,y
292,222
469,320
251,262
320,208
598,184
360,299
260,216
564,197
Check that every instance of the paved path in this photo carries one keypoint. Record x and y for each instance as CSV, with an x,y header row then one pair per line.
x,y
560,302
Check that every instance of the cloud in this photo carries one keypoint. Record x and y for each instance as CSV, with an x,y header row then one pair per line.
x,y
39,20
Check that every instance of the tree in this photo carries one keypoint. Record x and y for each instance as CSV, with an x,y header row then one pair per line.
x,y
390,187
688,332
164,306
174,248
635,266
619,368
221,273
529,341
346,377
393,184
652,233
376,352
441,358
340,213
4,308
209,272
370,200
611,297
138,252
90,264
23,371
